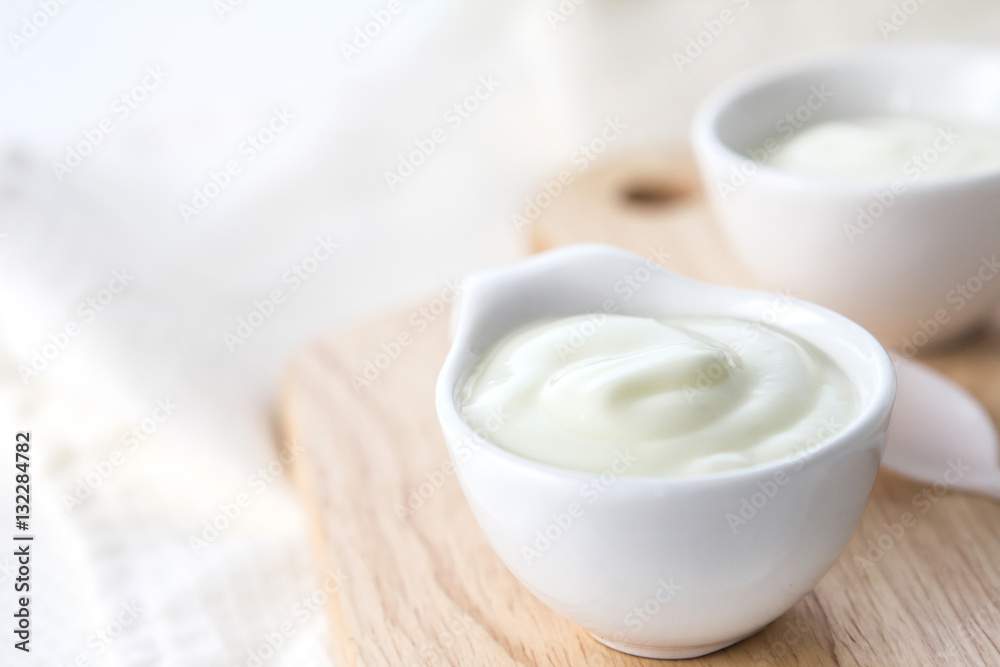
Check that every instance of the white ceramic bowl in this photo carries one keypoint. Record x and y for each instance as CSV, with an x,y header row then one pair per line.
x,y
656,566
900,276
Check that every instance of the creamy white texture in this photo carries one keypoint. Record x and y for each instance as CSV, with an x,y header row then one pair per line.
x,y
656,397
890,147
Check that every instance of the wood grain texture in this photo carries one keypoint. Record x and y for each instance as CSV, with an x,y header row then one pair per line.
x,y
919,583
671,221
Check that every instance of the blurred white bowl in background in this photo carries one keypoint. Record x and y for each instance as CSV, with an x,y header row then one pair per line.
x,y
911,259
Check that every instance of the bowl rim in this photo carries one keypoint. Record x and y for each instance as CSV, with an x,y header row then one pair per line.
x,y
453,371
705,138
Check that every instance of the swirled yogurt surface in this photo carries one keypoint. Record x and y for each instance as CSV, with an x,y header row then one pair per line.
x,y
643,396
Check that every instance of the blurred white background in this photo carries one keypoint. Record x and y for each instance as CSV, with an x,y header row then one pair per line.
x,y
558,72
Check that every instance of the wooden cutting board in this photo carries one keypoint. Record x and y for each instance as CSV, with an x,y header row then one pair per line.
x,y
422,584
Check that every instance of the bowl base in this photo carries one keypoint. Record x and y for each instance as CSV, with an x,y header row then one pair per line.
x,y
668,653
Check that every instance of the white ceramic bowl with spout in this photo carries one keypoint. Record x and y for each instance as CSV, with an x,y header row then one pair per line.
x,y
664,567
913,258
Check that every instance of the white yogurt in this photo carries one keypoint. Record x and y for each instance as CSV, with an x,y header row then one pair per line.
x,y
656,397
890,147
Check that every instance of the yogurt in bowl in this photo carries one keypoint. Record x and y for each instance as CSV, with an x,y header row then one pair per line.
x,y
679,473
682,395
890,147
867,181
